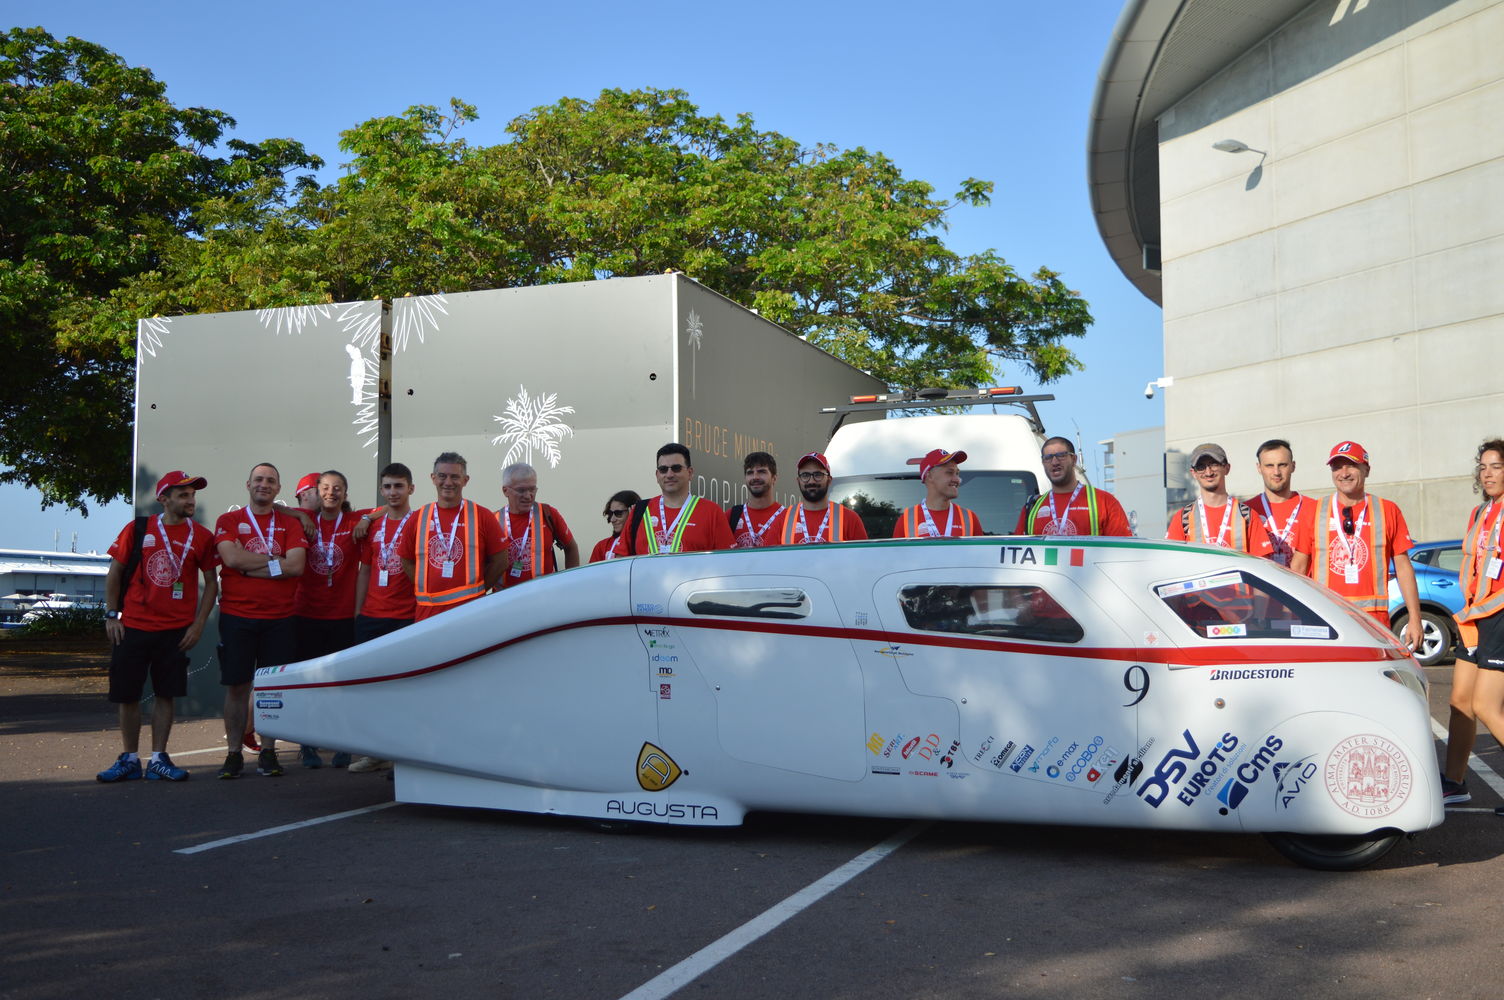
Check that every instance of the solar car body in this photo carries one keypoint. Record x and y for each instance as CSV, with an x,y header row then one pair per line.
x,y
1093,681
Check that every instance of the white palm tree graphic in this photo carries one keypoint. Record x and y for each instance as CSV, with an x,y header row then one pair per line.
x,y
696,334
531,422
416,317
292,319
149,333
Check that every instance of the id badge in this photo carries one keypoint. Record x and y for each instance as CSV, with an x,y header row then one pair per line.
x,y
177,590
516,569
448,570
381,578
1350,575
273,568
1495,567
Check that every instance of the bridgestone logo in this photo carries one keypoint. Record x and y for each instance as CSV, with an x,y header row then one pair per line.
x,y
1254,674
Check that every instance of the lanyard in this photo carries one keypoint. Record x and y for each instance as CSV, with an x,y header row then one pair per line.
x,y
327,548
1057,521
950,516
1206,531
438,529
1283,534
824,523
506,513
177,564
671,535
757,533
271,531
1350,543
382,546
1487,545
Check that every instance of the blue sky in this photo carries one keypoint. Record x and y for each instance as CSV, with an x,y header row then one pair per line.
x,y
998,90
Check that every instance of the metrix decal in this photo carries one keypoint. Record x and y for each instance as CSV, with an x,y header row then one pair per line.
x,y
1171,768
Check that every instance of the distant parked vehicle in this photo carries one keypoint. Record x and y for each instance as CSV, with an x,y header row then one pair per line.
x,y
1436,567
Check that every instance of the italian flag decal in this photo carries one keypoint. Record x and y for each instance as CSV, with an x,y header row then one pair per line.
x,y
1052,557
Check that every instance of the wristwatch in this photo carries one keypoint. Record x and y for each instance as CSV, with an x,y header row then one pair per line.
x,y
112,615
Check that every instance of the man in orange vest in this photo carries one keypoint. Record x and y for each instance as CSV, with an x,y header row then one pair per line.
x,y
1069,506
457,551
1213,518
816,519
1352,539
938,516
533,528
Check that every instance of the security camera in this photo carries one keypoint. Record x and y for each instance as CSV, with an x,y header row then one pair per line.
x,y
1149,391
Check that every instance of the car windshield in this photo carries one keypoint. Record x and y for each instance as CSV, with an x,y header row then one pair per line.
x,y
996,497
1236,605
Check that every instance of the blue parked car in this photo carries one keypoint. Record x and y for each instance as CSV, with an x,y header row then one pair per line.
x,y
1436,567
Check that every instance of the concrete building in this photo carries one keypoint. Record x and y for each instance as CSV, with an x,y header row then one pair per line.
x,y
1314,192
1134,470
27,575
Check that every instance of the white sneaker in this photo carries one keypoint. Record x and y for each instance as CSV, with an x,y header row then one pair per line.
x,y
360,765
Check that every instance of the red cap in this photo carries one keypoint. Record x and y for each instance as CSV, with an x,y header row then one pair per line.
x,y
308,482
938,457
179,478
814,456
1350,450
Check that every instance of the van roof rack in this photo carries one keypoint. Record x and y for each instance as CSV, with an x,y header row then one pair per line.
x,y
924,399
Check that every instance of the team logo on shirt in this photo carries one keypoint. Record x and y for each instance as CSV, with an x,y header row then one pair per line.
x,y
391,561
520,554
160,570
1064,526
324,562
258,546
442,550
1338,558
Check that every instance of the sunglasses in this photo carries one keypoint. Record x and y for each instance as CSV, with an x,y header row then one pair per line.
x,y
616,513
1053,456
664,470
1347,521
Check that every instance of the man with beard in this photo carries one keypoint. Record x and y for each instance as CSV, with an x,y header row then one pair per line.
x,y
940,472
1069,506
750,521
455,552
1214,517
816,519
1281,510
675,520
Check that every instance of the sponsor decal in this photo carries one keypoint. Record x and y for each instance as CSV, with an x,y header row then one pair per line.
x,y
1001,757
656,770
1290,779
1023,758
1368,776
661,810
885,770
1236,790
949,760
650,609
1216,760
1039,758
665,692
893,651
1080,764
875,743
860,618
976,758
925,747
1172,767
893,744
661,644
1203,583
1107,761
1226,631
665,671
665,658
269,703
655,630
958,775
1310,632
1019,555
1127,772
926,774
1077,557
1054,769
270,716
1253,673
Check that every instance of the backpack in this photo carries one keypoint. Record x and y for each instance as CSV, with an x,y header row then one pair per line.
x,y
132,561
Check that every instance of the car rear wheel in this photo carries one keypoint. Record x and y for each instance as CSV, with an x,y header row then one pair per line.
x,y
1334,853
1435,636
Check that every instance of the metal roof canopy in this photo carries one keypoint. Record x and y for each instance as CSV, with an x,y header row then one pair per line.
x,y
1161,50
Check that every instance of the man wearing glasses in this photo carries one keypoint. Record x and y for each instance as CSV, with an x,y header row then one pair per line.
x,y
816,520
1356,534
455,552
533,529
1069,506
1214,518
675,520
751,521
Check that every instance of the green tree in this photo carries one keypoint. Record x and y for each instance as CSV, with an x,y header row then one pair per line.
x,y
101,181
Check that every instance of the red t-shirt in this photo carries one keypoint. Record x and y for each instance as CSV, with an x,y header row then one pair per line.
x,y
528,535
326,590
754,529
1283,525
962,524
254,597
598,554
489,541
705,529
1245,537
151,602
1076,515
791,529
379,550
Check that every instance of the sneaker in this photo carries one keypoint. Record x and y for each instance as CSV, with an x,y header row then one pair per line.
x,y
341,758
309,757
162,769
231,768
266,763
1454,793
363,764
125,768
249,742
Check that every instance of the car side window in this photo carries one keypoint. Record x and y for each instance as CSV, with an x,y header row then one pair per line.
x,y
1013,612
763,602
1448,559
1235,605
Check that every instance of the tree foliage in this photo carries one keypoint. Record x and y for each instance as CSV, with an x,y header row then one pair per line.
x,y
836,245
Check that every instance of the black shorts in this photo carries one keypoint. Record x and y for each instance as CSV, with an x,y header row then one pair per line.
x,y
1490,653
368,628
322,636
248,643
143,653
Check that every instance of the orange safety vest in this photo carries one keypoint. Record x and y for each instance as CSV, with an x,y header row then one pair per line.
x,y
1374,597
1473,580
1190,523
429,586
835,528
913,515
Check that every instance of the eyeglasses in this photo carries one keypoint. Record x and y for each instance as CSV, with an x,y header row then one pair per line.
x,y
523,489
664,470
616,513
1057,456
811,477
1347,521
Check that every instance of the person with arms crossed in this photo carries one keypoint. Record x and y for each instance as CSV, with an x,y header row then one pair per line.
x,y
675,520
325,616
454,552
159,618
815,519
1279,509
262,552
1070,506
616,512
750,521
1352,538
532,527
1213,518
940,474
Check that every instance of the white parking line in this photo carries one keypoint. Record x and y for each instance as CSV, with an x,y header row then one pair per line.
x,y
718,951
1490,777
272,831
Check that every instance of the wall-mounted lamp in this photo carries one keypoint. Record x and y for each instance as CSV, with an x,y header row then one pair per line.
x,y
1235,146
